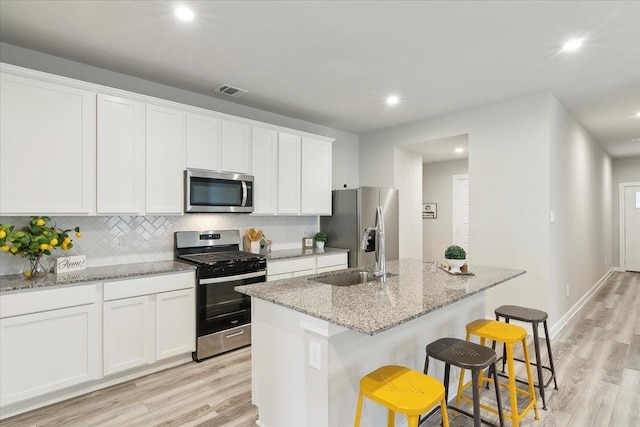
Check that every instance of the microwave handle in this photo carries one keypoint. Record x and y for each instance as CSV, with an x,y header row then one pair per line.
x,y
244,193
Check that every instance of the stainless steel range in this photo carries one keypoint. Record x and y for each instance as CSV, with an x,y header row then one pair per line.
x,y
223,315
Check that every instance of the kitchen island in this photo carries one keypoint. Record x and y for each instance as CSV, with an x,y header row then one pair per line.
x,y
312,342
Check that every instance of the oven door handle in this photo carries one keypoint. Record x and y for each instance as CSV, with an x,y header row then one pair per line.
x,y
235,334
232,278
244,193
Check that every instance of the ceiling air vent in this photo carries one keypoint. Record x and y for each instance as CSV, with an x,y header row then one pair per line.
x,y
230,90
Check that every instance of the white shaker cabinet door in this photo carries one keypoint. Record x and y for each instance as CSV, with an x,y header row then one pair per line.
x,y
235,154
120,156
48,351
264,167
203,142
316,177
47,148
289,174
165,160
175,323
128,334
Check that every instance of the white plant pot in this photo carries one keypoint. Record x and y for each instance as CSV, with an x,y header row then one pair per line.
x,y
455,264
319,245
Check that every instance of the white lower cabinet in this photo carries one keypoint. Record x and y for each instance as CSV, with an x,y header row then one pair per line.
x,y
175,323
84,335
298,267
148,319
46,351
331,263
128,334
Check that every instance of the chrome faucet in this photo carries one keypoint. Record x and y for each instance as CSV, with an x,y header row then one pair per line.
x,y
381,265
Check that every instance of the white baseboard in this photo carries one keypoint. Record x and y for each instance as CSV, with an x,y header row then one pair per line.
x,y
619,269
553,331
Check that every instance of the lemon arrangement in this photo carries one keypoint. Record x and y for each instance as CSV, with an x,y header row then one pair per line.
x,y
34,241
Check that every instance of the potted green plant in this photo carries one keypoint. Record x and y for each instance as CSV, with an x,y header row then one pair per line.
x,y
456,257
321,239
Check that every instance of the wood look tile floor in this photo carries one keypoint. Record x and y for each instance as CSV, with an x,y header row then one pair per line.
x,y
597,358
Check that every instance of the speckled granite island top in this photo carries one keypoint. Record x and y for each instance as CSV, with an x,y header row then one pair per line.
x,y
301,253
417,288
14,283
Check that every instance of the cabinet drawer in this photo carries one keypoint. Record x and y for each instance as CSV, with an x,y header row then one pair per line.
x,y
291,266
44,300
148,285
332,260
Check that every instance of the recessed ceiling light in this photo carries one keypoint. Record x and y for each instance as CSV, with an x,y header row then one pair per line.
x,y
184,13
459,150
392,100
571,45
638,114
635,140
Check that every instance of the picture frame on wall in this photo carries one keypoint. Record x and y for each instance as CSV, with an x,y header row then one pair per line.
x,y
429,210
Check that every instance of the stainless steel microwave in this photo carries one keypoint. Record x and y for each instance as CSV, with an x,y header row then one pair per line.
x,y
209,191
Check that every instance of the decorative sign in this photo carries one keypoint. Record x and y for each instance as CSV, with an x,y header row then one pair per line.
x,y
307,242
430,210
70,263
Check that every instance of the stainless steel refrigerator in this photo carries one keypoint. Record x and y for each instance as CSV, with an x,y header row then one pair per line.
x,y
353,211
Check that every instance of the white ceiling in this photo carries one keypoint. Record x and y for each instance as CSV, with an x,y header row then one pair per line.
x,y
441,149
334,62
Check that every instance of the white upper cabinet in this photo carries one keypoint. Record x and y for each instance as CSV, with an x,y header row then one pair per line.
x,y
165,160
120,156
315,183
289,174
47,148
203,142
69,147
264,167
235,147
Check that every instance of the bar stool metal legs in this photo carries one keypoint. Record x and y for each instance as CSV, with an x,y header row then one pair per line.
x,y
509,335
465,355
534,317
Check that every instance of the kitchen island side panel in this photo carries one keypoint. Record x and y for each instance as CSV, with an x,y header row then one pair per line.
x,y
289,392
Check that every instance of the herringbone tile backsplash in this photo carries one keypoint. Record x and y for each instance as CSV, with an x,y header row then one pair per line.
x,y
108,240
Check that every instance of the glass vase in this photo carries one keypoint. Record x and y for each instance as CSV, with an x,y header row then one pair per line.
x,y
37,267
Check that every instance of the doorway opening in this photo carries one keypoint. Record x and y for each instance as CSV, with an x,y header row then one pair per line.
x,y
445,194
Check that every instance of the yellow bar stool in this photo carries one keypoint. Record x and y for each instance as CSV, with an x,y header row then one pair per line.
x,y
509,335
402,390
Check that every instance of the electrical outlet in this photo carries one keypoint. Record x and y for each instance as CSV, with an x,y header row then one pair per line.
x,y
315,355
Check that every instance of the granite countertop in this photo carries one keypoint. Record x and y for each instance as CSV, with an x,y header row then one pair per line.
x,y
15,283
415,289
301,253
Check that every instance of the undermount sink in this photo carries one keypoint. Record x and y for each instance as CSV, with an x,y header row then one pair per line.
x,y
349,279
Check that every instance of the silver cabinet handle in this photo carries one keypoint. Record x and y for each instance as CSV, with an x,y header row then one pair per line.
x,y
232,278
234,334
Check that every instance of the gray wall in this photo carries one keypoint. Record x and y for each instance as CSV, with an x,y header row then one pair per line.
x,y
580,251
624,170
345,148
437,233
525,156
